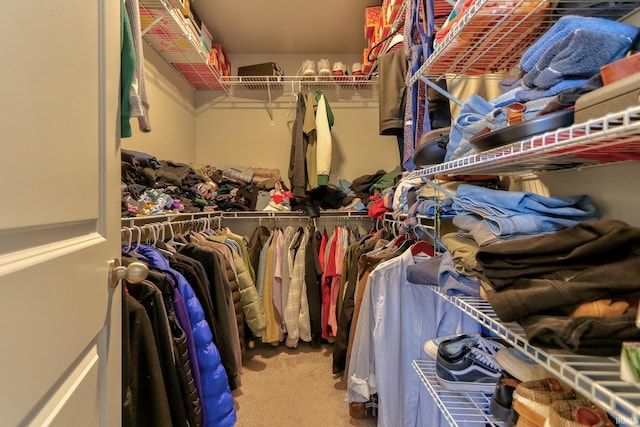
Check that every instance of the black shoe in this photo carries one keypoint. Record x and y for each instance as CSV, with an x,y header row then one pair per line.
x,y
502,398
309,207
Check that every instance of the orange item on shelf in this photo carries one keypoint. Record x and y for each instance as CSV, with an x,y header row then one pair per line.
x,y
620,69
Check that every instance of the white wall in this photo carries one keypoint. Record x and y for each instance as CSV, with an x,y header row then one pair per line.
x,y
613,188
213,128
245,129
171,114
236,131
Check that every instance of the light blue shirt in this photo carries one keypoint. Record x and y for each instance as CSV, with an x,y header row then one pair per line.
x,y
395,320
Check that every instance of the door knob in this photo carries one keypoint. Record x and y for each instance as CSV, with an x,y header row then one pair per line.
x,y
135,272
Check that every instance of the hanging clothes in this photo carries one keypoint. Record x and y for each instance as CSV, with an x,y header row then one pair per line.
x,y
297,181
286,267
186,374
127,70
346,310
145,398
271,332
311,139
223,308
138,99
312,277
327,277
324,122
217,399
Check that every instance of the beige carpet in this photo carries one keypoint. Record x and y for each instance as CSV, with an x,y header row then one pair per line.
x,y
283,387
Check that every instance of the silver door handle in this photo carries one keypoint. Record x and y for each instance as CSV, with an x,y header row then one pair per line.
x,y
135,272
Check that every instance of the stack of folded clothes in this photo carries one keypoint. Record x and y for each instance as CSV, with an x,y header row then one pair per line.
x,y
576,289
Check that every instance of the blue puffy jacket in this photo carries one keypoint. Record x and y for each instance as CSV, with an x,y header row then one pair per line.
x,y
217,399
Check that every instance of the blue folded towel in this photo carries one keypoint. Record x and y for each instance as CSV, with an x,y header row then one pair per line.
x,y
532,94
565,26
575,56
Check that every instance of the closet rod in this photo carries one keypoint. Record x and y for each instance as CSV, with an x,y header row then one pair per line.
x,y
292,214
141,220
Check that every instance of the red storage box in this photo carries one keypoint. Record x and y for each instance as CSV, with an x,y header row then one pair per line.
x,y
371,19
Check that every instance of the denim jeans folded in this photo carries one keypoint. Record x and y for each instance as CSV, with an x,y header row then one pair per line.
x,y
477,228
526,224
428,207
454,283
504,203
517,212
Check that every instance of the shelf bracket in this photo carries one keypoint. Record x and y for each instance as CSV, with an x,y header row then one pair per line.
x,y
270,109
441,91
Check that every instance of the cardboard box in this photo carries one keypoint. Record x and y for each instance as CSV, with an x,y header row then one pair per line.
x,y
219,60
186,7
390,11
371,19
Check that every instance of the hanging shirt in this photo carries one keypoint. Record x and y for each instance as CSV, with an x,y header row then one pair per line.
x,y
329,272
271,333
297,308
323,141
278,259
396,319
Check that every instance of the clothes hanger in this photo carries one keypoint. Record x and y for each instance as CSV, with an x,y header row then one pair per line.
x,y
172,242
422,248
127,231
133,250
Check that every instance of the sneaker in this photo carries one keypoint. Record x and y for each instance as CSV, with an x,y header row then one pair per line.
x,y
308,68
339,69
324,68
356,69
431,346
472,370
456,341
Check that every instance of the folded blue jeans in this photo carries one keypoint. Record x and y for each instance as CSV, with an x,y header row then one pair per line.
x,y
518,212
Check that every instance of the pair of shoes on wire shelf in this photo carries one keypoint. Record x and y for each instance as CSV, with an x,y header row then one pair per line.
x,y
309,68
341,69
466,362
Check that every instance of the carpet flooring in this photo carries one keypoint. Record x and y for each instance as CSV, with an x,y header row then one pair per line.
x,y
284,387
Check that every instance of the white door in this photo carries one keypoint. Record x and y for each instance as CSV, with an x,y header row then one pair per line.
x,y
59,215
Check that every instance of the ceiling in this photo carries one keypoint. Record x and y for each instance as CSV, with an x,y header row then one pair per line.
x,y
286,26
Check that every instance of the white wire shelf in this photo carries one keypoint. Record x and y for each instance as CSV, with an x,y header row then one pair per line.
x,y
492,35
612,138
294,84
596,378
469,408
169,33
